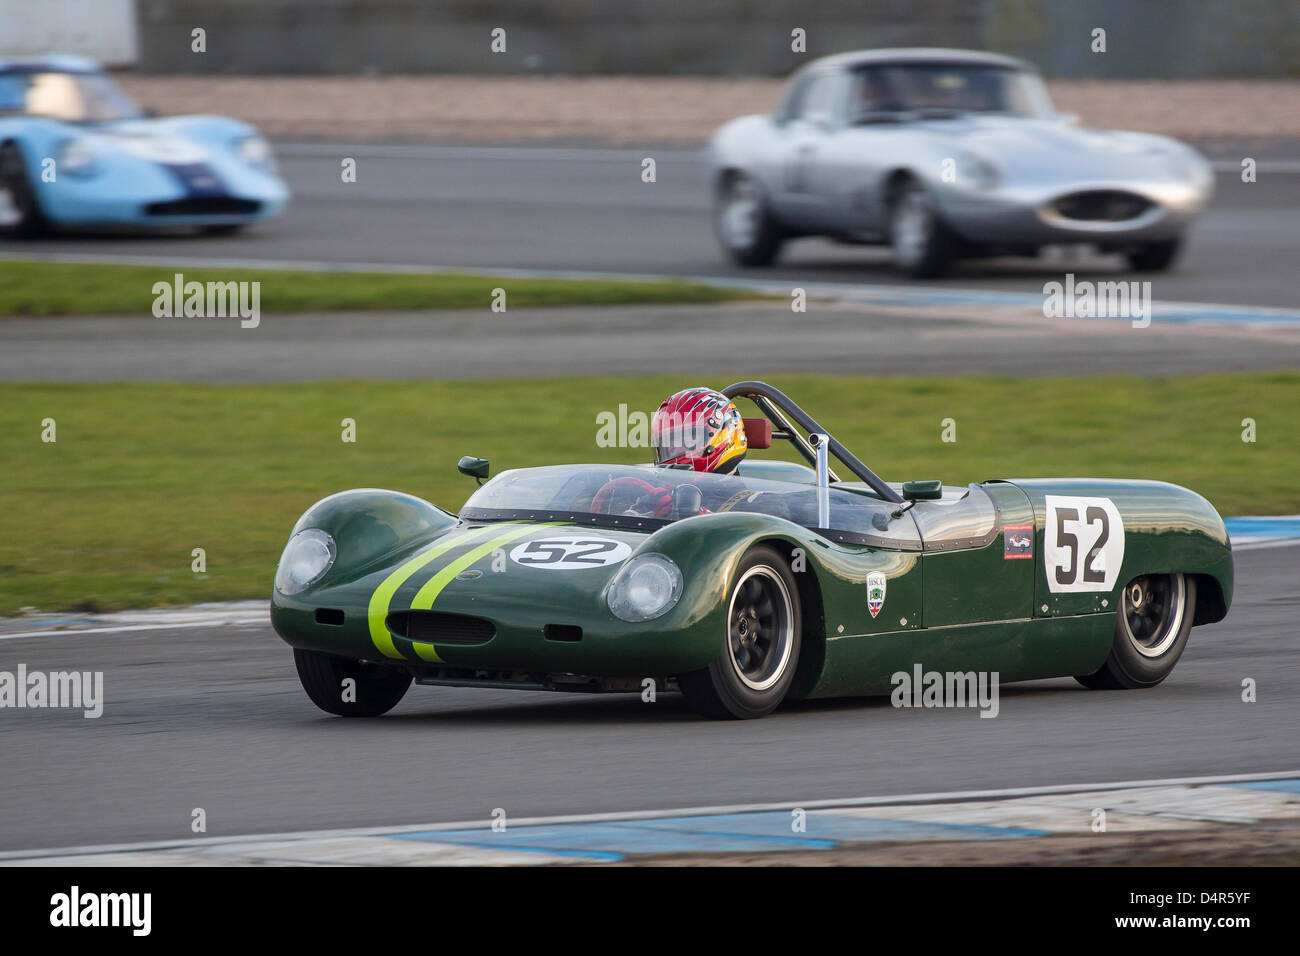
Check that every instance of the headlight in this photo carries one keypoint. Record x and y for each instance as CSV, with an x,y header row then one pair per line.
x,y
976,171
76,158
307,556
645,588
255,151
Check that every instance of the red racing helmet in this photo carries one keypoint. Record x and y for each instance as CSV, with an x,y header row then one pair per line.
x,y
701,428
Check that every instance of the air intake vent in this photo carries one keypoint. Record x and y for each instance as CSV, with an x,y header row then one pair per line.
x,y
562,632
204,206
435,627
1101,205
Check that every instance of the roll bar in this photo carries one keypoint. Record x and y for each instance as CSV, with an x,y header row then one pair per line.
x,y
781,410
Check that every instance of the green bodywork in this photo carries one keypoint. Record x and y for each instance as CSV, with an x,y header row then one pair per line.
x,y
955,601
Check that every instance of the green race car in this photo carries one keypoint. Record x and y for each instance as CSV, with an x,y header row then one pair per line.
x,y
778,580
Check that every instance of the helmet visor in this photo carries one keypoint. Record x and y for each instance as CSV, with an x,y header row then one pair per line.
x,y
677,440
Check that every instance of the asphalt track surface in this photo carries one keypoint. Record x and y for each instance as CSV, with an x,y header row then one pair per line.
x,y
740,340
587,209
214,718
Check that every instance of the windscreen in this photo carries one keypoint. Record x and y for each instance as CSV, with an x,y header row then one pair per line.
x,y
662,495
962,88
70,97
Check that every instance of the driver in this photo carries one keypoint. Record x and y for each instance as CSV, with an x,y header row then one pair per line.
x,y
701,429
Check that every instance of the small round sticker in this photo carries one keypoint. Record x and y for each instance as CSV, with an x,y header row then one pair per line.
x,y
571,552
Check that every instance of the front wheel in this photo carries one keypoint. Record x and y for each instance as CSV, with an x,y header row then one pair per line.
x,y
350,688
744,224
922,244
20,211
761,651
1152,625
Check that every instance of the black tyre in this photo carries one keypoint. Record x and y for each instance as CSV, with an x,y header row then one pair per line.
x,y
1154,256
20,211
761,651
1152,625
923,246
744,223
378,687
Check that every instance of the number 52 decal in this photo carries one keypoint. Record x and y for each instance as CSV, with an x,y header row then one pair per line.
x,y
1083,544
571,552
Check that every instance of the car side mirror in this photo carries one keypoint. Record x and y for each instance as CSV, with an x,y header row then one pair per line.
x,y
473,467
922,490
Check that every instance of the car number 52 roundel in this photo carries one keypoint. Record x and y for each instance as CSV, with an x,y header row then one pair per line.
x,y
1083,544
571,552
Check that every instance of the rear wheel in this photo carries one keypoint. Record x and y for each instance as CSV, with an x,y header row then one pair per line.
x,y
374,689
1152,625
923,246
744,224
1154,256
757,664
20,212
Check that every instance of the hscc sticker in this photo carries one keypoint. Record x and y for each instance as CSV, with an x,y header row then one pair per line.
x,y
875,592
571,552
1083,544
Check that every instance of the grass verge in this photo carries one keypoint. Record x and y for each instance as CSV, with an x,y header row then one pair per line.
x,y
66,288
141,474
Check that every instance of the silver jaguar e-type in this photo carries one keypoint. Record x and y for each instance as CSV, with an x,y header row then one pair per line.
x,y
944,154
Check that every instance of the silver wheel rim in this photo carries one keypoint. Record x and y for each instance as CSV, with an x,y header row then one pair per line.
x,y
1151,612
760,631
742,208
911,232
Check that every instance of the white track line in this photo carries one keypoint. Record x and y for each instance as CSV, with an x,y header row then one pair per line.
x,y
125,628
955,796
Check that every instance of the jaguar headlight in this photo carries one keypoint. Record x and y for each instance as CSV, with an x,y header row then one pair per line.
x,y
306,558
646,587
976,171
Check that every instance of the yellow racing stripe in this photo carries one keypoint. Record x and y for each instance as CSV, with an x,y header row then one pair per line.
x,y
379,601
425,597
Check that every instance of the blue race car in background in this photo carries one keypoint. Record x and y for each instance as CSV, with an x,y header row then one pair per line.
x,y
76,151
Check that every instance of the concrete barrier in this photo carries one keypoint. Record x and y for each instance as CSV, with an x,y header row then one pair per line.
x,y
1154,38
